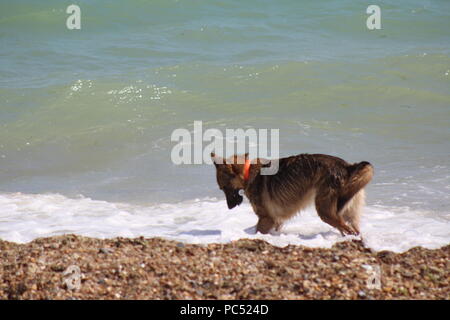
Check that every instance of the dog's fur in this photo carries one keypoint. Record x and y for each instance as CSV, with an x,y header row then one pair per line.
x,y
335,186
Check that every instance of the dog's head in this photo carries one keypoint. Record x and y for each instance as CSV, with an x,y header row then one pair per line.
x,y
230,177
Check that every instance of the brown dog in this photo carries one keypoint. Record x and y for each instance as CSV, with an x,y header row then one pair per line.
x,y
334,185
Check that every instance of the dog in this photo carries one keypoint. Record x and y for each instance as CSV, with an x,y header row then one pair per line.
x,y
334,185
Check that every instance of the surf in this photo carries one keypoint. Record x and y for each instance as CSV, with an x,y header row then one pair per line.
x,y
25,217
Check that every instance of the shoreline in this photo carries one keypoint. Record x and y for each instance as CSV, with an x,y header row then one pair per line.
x,y
155,268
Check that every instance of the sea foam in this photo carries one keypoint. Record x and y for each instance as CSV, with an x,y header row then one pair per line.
x,y
24,217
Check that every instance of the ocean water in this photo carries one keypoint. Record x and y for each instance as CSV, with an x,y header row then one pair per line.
x,y
86,115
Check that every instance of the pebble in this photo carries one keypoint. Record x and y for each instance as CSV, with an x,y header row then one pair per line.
x,y
106,250
155,268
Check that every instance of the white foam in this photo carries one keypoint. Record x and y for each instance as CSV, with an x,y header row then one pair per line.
x,y
24,217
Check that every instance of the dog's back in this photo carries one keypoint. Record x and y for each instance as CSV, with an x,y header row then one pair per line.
x,y
334,185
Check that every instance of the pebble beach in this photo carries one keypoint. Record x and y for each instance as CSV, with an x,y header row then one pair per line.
x,y
76,267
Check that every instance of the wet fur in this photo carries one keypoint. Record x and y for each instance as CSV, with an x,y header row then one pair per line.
x,y
332,184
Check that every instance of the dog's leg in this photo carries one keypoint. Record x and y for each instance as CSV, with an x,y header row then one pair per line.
x,y
265,224
278,226
326,206
352,211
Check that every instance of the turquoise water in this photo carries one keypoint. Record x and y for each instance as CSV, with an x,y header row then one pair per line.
x,y
129,39
90,112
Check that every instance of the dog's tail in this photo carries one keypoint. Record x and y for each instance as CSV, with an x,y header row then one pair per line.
x,y
360,175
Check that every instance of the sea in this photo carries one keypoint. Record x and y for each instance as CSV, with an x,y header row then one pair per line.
x,y
86,115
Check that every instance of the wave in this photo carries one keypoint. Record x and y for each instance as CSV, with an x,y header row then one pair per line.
x,y
121,36
24,217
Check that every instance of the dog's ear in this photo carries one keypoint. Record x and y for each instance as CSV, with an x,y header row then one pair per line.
x,y
216,159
